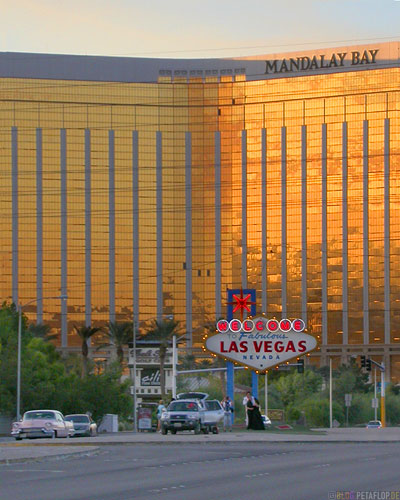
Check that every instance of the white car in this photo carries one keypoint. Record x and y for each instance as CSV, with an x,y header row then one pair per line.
x,y
266,421
214,414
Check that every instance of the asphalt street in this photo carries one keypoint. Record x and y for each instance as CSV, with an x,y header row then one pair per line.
x,y
212,471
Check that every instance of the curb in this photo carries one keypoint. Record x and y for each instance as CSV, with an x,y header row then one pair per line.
x,y
9,461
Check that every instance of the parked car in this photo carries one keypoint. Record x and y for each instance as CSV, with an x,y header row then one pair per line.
x,y
214,414
374,424
184,414
42,423
83,424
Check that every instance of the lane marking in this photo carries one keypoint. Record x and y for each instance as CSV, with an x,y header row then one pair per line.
x,y
35,470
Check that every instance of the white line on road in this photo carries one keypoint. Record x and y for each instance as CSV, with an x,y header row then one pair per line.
x,y
35,470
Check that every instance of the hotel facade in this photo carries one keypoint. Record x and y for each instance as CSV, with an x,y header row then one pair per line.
x,y
145,187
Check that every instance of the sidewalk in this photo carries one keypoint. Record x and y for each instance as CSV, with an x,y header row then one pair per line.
x,y
11,451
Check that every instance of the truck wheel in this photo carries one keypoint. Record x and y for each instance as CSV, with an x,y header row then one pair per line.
x,y
173,431
164,431
215,430
197,429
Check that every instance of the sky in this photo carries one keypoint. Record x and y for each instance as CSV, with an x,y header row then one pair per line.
x,y
189,29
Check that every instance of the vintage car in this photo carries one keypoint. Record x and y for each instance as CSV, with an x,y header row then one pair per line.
x,y
42,423
83,424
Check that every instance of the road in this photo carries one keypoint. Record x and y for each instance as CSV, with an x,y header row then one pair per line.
x,y
213,471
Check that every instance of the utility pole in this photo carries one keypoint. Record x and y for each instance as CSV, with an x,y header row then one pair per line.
x,y
367,363
330,394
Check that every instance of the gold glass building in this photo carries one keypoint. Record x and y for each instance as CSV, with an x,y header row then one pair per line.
x,y
144,187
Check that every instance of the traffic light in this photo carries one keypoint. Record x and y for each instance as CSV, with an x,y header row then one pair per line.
x,y
368,365
300,366
363,362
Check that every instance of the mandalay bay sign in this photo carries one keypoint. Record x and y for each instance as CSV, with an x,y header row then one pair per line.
x,y
260,343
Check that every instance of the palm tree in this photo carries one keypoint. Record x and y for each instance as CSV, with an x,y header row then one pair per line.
x,y
188,362
118,334
85,333
163,331
42,331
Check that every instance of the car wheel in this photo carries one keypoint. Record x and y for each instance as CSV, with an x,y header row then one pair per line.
x,y
18,439
215,430
197,429
54,435
173,431
164,431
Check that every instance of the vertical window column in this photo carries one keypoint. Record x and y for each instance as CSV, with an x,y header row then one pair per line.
x,y
345,241
159,200
88,231
324,247
135,231
64,269
365,236
217,187
39,227
284,220
264,302
387,229
14,180
244,209
111,223
304,223
188,235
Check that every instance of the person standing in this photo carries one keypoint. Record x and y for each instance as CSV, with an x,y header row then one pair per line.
x,y
227,406
254,416
160,409
247,398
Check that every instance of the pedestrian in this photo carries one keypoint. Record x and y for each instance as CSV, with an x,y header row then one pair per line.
x,y
247,398
227,406
160,409
254,416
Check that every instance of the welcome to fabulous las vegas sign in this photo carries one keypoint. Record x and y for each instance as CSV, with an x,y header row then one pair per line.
x,y
260,343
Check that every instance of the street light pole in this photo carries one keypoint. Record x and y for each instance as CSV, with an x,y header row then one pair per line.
x,y
20,307
134,376
175,361
19,364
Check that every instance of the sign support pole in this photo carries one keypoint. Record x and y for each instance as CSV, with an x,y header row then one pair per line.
x,y
266,394
254,384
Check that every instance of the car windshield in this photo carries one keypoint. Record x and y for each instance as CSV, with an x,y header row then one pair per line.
x,y
82,419
212,405
36,415
374,422
181,406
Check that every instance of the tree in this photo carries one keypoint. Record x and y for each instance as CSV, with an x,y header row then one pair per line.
x,y
41,331
188,362
118,335
294,387
163,331
85,333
